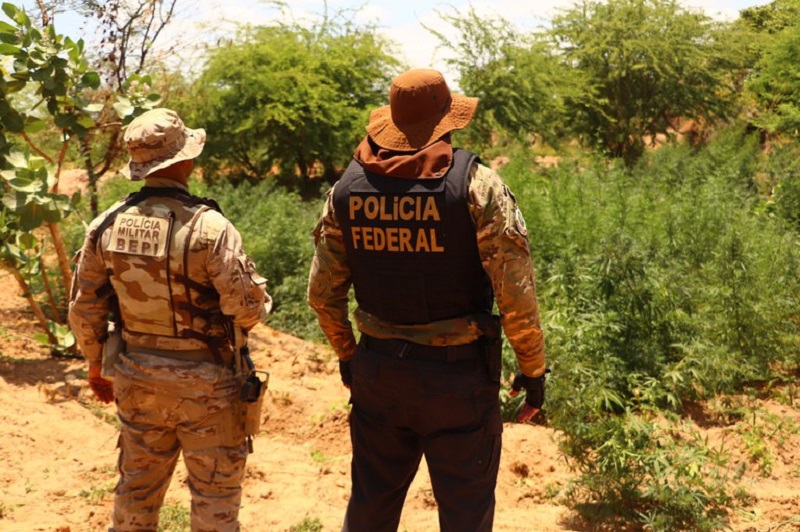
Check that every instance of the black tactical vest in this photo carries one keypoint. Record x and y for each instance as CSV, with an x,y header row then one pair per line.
x,y
411,244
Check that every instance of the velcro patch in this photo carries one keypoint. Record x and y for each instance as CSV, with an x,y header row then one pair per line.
x,y
520,223
135,234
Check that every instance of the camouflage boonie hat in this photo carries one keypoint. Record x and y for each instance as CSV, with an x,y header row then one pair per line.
x,y
158,139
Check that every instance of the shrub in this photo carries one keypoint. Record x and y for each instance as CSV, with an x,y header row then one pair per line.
x,y
659,284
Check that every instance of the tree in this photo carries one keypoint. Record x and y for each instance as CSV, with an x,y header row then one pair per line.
x,y
126,34
517,79
774,81
643,64
49,87
290,100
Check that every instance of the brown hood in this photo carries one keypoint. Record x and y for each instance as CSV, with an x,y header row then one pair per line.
x,y
431,162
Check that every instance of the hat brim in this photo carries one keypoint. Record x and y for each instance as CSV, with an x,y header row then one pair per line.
x,y
193,147
413,137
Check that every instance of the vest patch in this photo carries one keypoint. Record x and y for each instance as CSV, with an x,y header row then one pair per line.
x,y
135,234
400,223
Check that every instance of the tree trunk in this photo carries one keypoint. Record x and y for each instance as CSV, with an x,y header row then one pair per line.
x,y
63,258
37,310
49,290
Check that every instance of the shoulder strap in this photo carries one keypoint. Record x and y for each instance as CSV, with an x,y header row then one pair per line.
x,y
134,198
463,161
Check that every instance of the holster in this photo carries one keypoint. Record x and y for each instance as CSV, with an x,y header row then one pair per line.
x,y
112,347
253,386
491,342
253,400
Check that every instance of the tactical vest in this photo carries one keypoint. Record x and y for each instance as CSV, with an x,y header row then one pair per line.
x,y
411,244
146,253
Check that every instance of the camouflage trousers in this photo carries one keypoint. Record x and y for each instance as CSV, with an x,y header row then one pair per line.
x,y
167,406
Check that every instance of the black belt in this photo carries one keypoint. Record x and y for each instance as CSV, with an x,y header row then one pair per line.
x,y
404,349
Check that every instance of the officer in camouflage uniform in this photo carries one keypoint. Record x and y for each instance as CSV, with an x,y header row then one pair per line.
x,y
428,237
173,271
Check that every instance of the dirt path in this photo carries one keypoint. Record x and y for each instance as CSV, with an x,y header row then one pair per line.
x,y
58,456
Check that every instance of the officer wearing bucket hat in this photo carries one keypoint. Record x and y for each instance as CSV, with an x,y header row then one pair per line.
x,y
173,272
429,238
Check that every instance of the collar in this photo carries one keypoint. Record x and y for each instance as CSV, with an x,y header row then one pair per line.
x,y
164,182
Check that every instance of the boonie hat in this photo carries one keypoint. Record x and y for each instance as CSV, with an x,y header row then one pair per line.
x,y
421,110
158,139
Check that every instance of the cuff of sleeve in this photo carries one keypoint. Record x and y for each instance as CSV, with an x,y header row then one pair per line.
x,y
93,353
345,352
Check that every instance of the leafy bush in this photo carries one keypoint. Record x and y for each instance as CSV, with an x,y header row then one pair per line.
x,y
276,227
658,285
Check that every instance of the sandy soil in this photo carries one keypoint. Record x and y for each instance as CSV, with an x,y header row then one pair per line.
x,y
57,444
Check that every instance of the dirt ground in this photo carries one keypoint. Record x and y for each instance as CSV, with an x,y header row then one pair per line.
x,y
58,448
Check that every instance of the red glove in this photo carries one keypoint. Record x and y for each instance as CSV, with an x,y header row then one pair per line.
x,y
103,388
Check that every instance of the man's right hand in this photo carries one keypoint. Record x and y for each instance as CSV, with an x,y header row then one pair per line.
x,y
102,388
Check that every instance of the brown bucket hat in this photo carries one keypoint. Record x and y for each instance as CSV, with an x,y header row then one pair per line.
x,y
158,139
421,110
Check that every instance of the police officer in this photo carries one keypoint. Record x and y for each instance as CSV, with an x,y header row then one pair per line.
x,y
428,237
173,272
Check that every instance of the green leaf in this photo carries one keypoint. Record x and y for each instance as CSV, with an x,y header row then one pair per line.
x,y
14,86
124,108
65,121
34,215
85,121
11,10
90,79
17,159
10,38
28,241
93,107
14,202
75,199
14,122
34,125
9,49
25,185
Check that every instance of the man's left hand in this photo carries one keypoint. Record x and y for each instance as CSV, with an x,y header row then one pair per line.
x,y
534,395
527,413
102,388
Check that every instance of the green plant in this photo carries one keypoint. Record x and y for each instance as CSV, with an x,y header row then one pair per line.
x,y
651,300
276,229
46,92
643,65
290,99
96,494
174,517
318,456
307,525
98,412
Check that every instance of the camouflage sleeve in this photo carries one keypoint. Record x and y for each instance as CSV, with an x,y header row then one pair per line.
x,y
89,306
329,282
504,252
242,291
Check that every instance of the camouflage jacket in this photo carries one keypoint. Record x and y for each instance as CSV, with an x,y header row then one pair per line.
x,y
503,248
131,261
